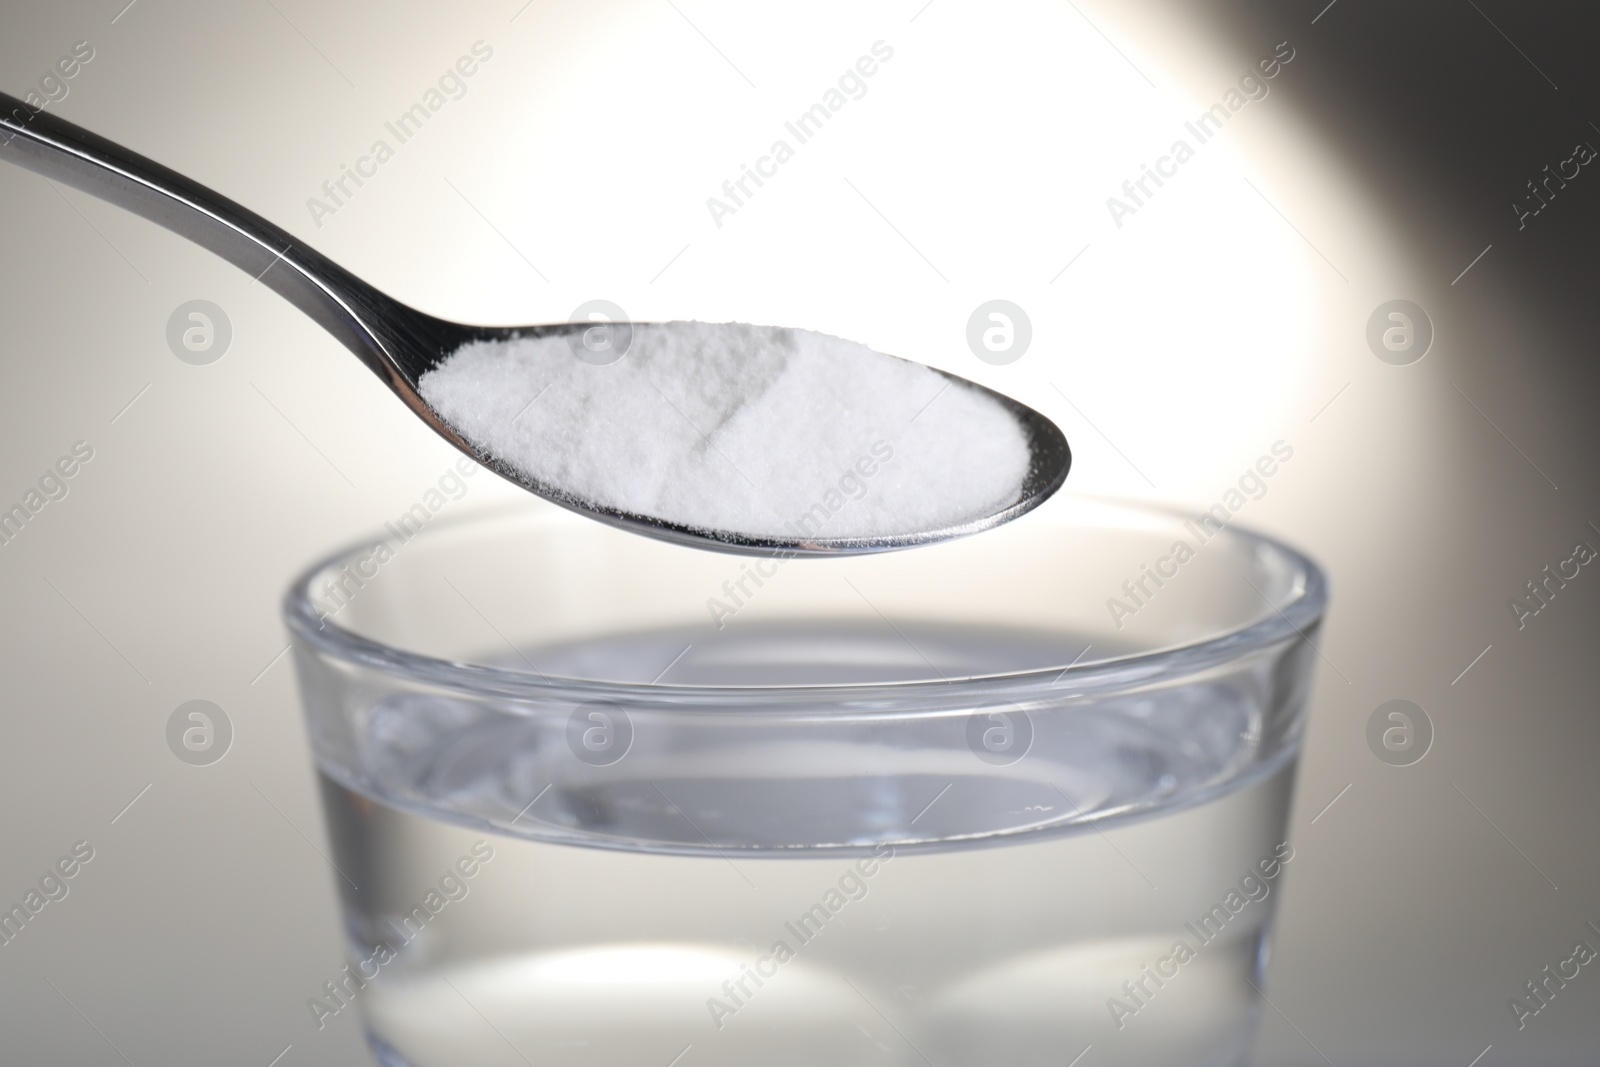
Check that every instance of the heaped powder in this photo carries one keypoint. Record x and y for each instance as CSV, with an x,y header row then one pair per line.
x,y
751,430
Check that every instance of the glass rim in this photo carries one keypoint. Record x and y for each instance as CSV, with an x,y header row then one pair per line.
x,y
1300,612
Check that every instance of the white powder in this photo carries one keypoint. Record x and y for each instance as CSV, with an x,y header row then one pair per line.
x,y
749,430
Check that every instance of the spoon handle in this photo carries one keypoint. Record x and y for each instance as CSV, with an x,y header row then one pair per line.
x,y
373,326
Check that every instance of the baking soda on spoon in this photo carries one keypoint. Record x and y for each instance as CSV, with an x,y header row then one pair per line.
x,y
758,431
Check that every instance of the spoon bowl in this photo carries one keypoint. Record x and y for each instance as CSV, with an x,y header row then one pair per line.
x,y
400,344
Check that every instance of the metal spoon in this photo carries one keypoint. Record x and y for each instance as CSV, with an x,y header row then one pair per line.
x,y
399,343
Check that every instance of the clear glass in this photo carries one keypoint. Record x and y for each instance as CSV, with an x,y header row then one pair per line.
x,y
599,800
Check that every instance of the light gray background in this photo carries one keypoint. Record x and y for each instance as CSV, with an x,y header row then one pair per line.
x,y
1418,903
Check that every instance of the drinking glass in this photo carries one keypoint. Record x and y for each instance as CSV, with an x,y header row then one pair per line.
x,y
599,800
